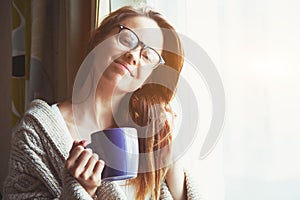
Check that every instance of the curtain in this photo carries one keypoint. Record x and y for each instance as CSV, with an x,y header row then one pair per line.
x,y
50,40
5,85
19,12
42,45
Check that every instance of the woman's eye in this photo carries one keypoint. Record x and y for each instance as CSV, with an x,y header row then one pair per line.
x,y
126,41
148,55
146,58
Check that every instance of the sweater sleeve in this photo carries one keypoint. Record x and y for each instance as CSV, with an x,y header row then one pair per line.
x,y
193,192
110,191
192,188
31,174
72,188
28,175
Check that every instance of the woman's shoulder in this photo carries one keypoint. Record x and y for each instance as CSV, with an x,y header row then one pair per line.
x,y
37,113
110,190
39,117
33,118
38,105
38,110
29,130
41,123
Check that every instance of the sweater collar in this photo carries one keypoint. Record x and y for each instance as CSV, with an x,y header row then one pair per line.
x,y
52,127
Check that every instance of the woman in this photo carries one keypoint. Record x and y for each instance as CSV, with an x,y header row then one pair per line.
x,y
48,159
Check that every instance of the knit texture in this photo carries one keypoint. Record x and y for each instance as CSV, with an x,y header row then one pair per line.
x,y
40,147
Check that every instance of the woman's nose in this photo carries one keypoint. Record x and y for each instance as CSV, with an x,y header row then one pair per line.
x,y
133,57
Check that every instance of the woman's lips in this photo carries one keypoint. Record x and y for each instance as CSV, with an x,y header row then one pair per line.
x,y
124,65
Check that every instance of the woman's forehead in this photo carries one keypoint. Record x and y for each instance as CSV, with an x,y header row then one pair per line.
x,y
139,22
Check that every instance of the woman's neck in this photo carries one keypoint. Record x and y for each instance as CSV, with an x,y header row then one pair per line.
x,y
96,112
107,100
105,110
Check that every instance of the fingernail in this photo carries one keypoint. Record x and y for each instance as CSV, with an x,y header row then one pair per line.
x,y
82,143
102,162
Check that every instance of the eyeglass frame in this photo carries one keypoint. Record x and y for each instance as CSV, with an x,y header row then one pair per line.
x,y
142,44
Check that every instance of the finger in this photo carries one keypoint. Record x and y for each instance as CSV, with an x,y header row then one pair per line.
x,y
96,175
75,143
81,162
74,155
83,143
89,167
98,168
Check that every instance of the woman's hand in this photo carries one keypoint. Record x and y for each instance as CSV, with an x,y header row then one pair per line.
x,y
85,166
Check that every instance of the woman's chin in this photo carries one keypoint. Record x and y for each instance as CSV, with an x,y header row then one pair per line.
x,y
122,79
114,74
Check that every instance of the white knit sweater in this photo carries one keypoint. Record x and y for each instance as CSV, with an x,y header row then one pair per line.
x,y
39,149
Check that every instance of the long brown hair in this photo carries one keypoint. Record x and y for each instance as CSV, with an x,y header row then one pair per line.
x,y
146,105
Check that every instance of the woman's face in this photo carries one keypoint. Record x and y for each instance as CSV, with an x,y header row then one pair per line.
x,y
128,69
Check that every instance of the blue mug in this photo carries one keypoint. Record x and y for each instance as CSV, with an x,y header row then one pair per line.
x,y
119,149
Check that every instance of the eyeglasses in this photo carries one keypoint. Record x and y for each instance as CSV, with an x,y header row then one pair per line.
x,y
128,40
